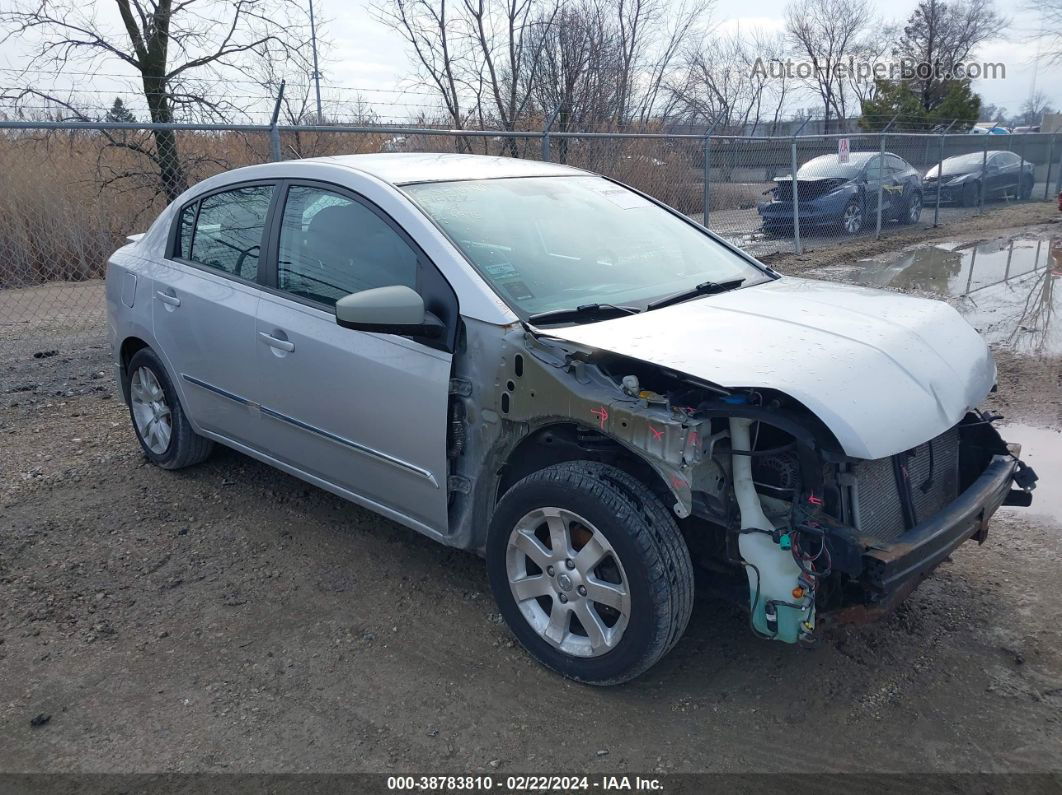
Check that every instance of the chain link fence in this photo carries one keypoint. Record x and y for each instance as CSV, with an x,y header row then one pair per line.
x,y
73,192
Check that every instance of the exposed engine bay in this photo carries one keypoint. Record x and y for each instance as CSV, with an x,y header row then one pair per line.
x,y
786,522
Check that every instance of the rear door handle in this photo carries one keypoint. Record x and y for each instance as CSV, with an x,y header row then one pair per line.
x,y
276,342
167,298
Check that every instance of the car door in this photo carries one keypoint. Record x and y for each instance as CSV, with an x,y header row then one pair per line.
x,y
359,411
896,186
204,308
1009,173
877,172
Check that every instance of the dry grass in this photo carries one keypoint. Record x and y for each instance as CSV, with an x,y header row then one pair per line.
x,y
70,198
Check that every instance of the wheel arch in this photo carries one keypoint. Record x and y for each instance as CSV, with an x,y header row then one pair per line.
x,y
559,441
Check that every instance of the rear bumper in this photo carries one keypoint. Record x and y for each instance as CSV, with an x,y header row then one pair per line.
x,y
891,571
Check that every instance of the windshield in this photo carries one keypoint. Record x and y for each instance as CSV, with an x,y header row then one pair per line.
x,y
830,167
548,243
963,163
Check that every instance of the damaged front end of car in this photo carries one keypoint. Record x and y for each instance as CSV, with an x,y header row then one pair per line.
x,y
787,523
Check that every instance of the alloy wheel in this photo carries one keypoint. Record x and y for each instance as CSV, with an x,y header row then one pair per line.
x,y
853,219
151,413
914,211
568,582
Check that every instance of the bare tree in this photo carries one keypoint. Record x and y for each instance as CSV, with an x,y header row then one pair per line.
x,y
1050,34
439,40
651,35
720,83
827,33
1033,109
509,43
939,35
164,43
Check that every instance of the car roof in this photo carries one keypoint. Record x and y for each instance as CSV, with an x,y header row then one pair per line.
x,y
404,168
853,157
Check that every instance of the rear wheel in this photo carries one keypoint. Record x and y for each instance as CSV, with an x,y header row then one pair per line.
x,y
590,571
852,217
161,426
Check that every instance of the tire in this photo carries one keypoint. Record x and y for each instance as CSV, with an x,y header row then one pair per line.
x,y
852,218
1026,188
647,559
154,408
911,210
971,194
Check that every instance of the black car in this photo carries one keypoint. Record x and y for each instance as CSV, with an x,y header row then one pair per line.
x,y
1002,173
832,192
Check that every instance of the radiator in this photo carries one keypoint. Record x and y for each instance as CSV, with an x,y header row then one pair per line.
x,y
929,474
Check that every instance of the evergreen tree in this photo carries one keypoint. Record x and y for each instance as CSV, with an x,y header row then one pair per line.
x,y
120,113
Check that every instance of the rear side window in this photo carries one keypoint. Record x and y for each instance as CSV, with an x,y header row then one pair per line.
x,y
227,235
331,246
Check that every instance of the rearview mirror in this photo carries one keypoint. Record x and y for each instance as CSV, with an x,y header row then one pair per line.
x,y
396,309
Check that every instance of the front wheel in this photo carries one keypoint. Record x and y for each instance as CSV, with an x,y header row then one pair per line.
x,y
912,209
971,194
852,217
589,571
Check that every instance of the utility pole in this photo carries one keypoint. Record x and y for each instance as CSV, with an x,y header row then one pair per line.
x,y
316,71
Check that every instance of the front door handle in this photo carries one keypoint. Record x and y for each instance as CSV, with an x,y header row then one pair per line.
x,y
168,298
276,342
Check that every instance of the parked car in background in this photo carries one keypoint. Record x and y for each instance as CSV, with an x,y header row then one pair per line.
x,y
997,130
546,367
832,193
1001,173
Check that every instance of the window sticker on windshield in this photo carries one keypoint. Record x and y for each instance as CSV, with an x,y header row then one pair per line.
x,y
621,197
518,290
501,270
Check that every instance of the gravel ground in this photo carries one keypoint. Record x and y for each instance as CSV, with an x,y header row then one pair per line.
x,y
231,618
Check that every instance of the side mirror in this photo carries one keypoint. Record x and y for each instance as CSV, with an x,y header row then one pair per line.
x,y
396,309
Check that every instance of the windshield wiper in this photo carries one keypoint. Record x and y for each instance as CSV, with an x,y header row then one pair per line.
x,y
704,288
582,312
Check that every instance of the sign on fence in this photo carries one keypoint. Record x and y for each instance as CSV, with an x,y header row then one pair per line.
x,y
843,148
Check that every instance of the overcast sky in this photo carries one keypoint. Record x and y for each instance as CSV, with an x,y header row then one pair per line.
x,y
366,55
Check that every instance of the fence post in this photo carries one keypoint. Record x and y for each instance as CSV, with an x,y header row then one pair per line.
x,y
798,247
940,175
274,131
545,134
1021,171
707,172
1058,184
881,183
984,179
707,177
1050,163
796,198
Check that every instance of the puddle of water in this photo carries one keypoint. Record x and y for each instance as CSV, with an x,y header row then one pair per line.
x,y
1041,448
1008,289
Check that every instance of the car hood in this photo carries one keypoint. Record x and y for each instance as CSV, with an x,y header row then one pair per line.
x,y
885,372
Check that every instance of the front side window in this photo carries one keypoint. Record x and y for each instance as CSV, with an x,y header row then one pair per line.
x,y
331,246
228,232
547,243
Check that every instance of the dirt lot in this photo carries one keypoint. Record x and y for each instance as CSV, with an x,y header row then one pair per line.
x,y
231,618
